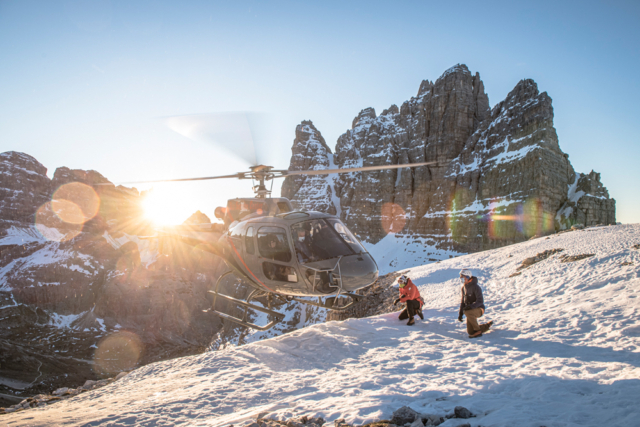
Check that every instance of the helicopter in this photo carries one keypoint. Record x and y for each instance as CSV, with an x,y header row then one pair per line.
x,y
284,254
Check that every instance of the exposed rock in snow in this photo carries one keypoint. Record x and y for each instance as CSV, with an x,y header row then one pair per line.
x,y
528,262
462,412
588,203
404,416
572,258
499,175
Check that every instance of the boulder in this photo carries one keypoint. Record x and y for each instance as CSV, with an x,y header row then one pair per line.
x,y
61,391
462,412
121,375
404,415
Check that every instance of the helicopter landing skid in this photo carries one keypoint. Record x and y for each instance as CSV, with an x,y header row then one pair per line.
x,y
278,317
330,302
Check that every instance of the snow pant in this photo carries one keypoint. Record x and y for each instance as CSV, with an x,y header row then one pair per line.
x,y
472,321
413,306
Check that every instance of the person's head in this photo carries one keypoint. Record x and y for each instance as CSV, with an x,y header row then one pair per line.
x,y
301,234
402,281
465,275
272,243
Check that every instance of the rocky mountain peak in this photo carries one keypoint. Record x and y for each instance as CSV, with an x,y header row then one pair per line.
x,y
504,161
309,152
425,87
197,218
24,186
64,175
391,110
22,160
364,117
458,69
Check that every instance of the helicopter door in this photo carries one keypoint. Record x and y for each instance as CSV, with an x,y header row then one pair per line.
x,y
273,245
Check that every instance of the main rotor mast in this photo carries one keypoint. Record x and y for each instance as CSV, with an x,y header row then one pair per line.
x,y
262,173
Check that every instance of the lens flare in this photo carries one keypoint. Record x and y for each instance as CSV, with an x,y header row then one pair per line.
x,y
75,203
50,227
67,211
517,219
536,221
118,352
393,218
456,220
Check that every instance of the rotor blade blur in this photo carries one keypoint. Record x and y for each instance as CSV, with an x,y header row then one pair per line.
x,y
361,169
230,132
204,178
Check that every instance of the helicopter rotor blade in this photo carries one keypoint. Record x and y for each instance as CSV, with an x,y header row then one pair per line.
x,y
204,178
360,169
242,134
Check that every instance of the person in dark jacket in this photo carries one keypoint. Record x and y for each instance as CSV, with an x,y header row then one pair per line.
x,y
472,305
410,294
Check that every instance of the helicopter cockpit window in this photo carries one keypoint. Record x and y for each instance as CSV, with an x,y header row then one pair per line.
x,y
347,236
273,244
248,241
281,273
316,240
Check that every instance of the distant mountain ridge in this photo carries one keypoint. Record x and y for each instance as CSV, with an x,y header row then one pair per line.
x,y
499,176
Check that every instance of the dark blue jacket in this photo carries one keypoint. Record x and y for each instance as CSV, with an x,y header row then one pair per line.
x,y
472,295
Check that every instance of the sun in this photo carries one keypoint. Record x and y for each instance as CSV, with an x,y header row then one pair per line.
x,y
163,207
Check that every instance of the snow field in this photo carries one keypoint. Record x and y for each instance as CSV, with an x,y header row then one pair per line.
x,y
564,351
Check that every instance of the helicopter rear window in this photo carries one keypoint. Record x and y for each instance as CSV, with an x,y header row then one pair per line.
x,y
273,244
317,239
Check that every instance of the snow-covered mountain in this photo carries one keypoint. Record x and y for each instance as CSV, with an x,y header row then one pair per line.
x,y
564,351
80,285
499,175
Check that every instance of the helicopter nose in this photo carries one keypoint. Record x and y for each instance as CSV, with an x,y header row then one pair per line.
x,y
358,271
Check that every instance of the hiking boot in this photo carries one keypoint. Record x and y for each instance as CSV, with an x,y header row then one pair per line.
x,y
420,314
476,335
411,322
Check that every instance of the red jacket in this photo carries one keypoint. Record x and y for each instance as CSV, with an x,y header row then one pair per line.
x,y
410,292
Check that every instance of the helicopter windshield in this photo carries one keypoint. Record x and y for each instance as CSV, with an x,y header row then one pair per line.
x,y
319,239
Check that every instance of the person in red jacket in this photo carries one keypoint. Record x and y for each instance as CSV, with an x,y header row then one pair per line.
x,y
410,294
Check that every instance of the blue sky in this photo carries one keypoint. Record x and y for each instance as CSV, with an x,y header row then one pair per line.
x,y
85,84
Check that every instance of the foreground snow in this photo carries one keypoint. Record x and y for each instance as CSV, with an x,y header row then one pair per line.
x,y
564,352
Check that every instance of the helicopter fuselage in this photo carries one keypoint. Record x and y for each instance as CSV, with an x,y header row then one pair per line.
x,y
296,253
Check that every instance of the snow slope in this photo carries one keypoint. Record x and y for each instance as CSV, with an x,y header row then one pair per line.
x,y
397,252
565,351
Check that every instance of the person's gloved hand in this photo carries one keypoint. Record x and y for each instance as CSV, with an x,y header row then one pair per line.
x,y
460,318
396,301
466,307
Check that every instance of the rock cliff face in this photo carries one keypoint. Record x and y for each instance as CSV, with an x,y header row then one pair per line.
x,y
81,295
498,177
